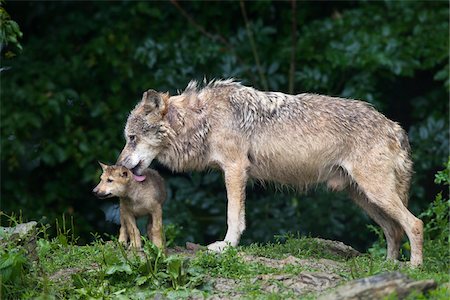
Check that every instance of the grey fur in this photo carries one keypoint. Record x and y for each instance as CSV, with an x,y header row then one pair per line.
x,y
298,140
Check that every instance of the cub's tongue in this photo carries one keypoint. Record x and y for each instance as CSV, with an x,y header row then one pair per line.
x,y
139,178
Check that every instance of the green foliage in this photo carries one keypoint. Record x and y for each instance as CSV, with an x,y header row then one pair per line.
x,y
96,271
9,34
12,266
436,230
66,97
443,177
155,271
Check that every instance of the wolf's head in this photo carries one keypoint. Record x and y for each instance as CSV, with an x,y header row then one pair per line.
x,y
113,182
145,132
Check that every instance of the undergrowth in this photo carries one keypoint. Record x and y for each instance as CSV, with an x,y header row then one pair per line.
x,y
41,267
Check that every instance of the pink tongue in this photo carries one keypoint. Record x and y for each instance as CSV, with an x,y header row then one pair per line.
x,y
139,178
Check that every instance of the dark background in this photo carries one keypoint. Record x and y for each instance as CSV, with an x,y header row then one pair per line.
x,y
65,98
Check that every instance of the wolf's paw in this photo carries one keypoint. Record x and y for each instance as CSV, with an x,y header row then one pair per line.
x,y
219,246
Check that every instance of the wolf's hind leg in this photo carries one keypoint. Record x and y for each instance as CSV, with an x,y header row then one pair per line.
x,y
379,186
391,229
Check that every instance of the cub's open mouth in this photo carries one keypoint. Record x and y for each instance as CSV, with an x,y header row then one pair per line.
x,y
137,173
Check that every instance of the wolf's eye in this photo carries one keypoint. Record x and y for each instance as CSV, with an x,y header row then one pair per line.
x,y
132,138
109,180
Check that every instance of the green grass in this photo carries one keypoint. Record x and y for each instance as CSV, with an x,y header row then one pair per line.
x,y
107,271
295,245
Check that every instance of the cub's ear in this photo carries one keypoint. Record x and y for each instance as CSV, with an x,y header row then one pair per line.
x,y
123,172
151,101
102,165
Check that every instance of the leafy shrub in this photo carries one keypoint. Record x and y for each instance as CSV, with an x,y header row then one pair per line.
x,y
13,267
436,230
9,34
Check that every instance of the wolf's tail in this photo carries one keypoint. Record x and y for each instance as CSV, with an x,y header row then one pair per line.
x,y
403,166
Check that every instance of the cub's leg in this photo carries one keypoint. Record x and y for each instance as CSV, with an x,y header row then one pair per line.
x,y
132,229
123,235
156,229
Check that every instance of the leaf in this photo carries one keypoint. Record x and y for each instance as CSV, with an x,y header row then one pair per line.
x,y
174,267
122,268
141,280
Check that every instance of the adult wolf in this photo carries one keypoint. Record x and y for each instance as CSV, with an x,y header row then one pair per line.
x,y
300,140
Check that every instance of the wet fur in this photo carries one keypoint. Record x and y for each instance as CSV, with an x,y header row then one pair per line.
x,y
298,140
137,199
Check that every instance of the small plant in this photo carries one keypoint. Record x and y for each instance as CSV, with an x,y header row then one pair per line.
x,y
378,248
151,270
13,267
65,236
171,233
436,229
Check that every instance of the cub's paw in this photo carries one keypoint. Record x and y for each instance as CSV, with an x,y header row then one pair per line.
x,y
219,246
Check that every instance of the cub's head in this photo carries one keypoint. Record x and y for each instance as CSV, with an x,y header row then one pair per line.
x,y
113,182
145,132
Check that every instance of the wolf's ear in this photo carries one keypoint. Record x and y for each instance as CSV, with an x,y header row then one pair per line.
x,y
102,165
151,101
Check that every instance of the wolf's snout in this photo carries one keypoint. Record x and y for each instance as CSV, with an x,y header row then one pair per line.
x,y
123,161
95,190
119,161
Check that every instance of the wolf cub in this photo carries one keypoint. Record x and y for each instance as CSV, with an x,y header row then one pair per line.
x,y
139,196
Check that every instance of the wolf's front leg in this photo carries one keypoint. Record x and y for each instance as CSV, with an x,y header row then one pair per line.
x,y
235,181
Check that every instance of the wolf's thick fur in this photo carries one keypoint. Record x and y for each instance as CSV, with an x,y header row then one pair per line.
x,y
137,199
300,140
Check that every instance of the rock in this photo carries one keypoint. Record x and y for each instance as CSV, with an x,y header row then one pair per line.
x,y
379,287
302,283
322,264
337,248
18,231
64,274
22,234
194,247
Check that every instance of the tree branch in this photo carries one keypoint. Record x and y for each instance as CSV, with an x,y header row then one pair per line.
x,y
213,37
293,47
252,43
